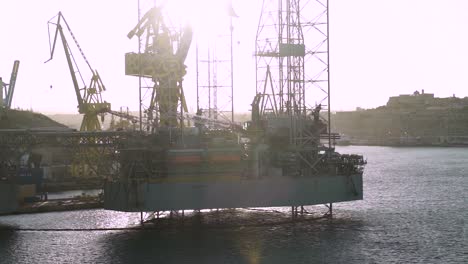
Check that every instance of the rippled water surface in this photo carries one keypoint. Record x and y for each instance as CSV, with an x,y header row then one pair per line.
x,y
414,211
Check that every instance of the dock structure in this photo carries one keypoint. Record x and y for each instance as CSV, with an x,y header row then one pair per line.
x,y
24,152
220,173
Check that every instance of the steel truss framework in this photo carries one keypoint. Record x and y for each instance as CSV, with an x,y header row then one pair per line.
x,y
214,66
159,64
14,143
297,213
292,68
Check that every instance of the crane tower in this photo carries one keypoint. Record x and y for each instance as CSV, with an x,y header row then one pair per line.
x,y
162,61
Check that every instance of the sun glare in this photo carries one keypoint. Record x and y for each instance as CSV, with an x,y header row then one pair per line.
x,y
206,17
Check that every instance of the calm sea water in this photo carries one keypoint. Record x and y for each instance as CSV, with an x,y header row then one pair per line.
x,y
415,210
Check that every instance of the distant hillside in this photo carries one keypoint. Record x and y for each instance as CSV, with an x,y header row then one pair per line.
x,y
17,119
70,120
74,120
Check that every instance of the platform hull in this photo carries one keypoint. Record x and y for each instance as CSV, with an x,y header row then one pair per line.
x,y
8,197
282,191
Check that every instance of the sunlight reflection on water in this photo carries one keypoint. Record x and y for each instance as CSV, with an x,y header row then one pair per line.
x,y
414,210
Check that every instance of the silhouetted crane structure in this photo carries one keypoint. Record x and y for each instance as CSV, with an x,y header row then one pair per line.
x,y
162,60
8,89
87,161
89,98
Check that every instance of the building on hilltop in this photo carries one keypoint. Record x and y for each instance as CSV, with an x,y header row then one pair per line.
x,y
416,119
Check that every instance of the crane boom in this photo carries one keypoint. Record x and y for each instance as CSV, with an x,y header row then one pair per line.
x,y
89,98
68,55
6,89
11,88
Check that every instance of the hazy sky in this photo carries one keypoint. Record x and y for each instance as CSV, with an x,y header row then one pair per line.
x,y
378,49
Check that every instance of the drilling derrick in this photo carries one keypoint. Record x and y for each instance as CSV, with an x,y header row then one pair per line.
x,y
280,52
162,61
283,58
276,159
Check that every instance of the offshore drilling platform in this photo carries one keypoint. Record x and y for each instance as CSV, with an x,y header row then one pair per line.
x,y
276,159
179,160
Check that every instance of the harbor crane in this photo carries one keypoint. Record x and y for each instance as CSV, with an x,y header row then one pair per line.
x,y
8,89
163,61
86,162
89,98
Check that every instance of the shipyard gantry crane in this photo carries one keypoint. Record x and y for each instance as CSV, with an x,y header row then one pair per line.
x,y
8,89
89,98
163,59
